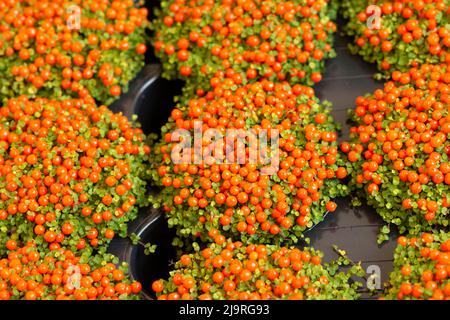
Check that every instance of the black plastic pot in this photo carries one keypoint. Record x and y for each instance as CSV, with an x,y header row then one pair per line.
x,y
150,97
148,268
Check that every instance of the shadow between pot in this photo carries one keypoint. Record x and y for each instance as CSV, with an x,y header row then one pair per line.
x,y
148,268
150,97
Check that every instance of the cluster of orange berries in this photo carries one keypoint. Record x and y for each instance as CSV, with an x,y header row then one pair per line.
x,y
71,173
70,48
421,268
244,39
234,271
27,273
399,34
288,188
399,148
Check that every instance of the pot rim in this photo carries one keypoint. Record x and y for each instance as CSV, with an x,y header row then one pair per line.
x,y
141,228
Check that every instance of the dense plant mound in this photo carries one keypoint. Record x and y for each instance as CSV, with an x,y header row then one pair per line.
x,y
197,40
58,49
406,34
421,268
31,274
233,182
71,173
399,151
257,272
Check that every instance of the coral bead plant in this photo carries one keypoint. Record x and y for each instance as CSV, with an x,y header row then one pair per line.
x,y
227,191
33,273
71,173
399,150
421,268
197,40
234,271
63,48
396,34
